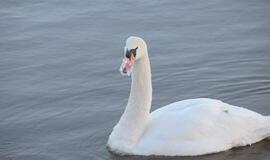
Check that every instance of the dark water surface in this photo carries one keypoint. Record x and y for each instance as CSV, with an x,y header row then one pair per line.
x,y
60,89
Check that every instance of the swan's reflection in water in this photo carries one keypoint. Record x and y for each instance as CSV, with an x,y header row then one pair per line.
x,y
257,151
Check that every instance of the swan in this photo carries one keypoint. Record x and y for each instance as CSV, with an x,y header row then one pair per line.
x,y
184,128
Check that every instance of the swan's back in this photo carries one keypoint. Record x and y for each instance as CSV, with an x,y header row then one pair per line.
x,y
199,126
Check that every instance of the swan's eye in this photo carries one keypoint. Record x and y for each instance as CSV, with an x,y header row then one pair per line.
x,y
132,51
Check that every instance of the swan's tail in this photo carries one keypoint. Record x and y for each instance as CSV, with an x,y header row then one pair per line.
x,y
268,117
265,133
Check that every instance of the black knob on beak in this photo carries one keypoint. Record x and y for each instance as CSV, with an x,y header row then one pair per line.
x,y
128,54
132,51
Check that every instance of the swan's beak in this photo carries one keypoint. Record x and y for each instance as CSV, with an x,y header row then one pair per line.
x,y
127,66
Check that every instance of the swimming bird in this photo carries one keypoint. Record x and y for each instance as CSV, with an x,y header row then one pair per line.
x,y
184,128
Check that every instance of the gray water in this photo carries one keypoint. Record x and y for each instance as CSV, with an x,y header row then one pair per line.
x,y
60,89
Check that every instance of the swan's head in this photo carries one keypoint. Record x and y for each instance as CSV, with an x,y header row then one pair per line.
x,y
135,50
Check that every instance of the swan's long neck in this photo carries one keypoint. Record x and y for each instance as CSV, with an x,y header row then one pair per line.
x,y
132,123
139,102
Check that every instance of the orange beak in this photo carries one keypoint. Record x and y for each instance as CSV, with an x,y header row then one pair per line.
x,y
127,65
132,57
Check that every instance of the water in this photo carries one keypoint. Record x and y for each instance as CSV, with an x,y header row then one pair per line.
x,y
60,89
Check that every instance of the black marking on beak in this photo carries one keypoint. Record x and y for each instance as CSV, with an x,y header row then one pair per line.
x,y
132,51
124,70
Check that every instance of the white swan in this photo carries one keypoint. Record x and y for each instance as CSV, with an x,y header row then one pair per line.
x,y
185,128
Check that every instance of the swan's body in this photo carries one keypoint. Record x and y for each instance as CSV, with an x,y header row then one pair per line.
x,y
199,126
185,128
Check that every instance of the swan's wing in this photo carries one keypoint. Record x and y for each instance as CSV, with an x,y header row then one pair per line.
x,y
199,126
177,106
